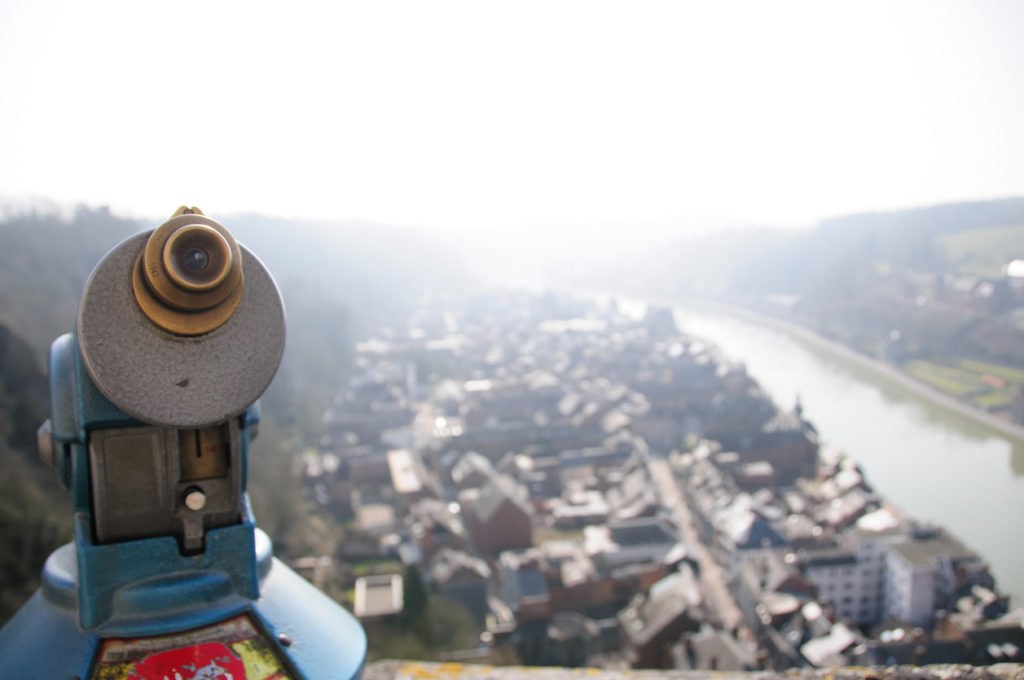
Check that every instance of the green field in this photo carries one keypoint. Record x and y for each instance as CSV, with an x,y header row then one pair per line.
x,y
956,381
984,252
1014,375
966,379
994,400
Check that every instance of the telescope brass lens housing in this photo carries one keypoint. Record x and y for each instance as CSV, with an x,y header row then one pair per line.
x,y
197,258
188,279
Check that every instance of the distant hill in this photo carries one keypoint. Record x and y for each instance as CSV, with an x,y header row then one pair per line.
x,y
44,264
375,269
902,285
983,252
742,263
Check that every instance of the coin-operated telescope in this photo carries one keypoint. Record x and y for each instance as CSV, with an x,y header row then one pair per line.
x,y
153,408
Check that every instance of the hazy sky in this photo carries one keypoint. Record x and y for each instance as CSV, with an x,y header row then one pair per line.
x,y
514,114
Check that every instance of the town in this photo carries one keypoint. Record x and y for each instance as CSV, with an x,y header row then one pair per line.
x,y
598,489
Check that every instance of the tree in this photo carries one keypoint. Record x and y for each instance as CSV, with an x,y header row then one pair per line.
x,y
414,597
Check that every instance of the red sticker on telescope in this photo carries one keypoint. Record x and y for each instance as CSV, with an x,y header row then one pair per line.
x,y
230,650
211,661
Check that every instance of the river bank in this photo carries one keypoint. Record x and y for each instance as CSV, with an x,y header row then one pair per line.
x,y
884,370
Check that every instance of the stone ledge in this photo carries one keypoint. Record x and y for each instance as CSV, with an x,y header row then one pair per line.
x,y
428,670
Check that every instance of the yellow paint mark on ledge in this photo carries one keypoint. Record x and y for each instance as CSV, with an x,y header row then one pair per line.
x,y
431,671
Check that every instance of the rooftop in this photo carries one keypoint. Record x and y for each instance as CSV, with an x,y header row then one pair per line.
x,y
920,552
378,596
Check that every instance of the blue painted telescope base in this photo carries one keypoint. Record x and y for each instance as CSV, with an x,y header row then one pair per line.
x,y
316,637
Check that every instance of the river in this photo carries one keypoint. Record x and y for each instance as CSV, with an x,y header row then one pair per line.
x,y
933,464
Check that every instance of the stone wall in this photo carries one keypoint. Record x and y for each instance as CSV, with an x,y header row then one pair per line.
x,y
425,670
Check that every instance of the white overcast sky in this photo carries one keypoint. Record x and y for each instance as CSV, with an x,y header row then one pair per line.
x,y
514,114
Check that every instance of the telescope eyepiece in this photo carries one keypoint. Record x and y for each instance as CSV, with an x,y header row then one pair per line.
x,y
197,258
188,279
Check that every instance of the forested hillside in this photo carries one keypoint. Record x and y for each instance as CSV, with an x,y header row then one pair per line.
x,y
34,513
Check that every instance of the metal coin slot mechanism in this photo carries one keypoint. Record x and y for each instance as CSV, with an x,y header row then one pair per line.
x,y
154,481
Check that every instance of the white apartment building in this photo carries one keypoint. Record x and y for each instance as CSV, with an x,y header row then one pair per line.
x,y
922,573
852,577
838,579
892,574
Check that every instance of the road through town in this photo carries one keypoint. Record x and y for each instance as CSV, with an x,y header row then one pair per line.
x,y
722,603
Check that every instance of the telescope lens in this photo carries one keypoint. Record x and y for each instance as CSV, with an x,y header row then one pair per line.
x,y
196,259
